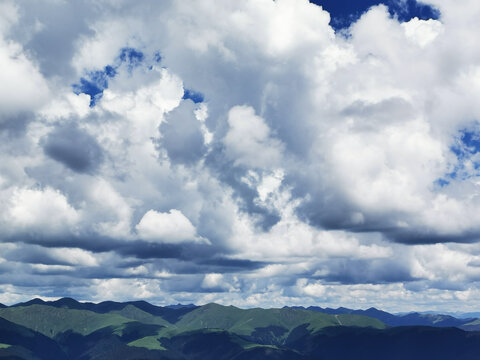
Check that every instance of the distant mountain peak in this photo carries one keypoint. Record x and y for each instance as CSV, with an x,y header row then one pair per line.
x,y
65,301
35,301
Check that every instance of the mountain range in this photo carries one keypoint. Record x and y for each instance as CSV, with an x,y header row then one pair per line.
x,y
408,319
68,329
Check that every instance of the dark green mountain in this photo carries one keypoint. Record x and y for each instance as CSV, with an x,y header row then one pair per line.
x,y
68,329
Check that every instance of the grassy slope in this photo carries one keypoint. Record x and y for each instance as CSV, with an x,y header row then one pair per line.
x,y
134,313
471,326
50,321
148,342
475,322
251,346
244,322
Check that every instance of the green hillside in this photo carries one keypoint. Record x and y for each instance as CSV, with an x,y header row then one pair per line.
x,y
134,313
148,342
263,324
51,321
244,322
471,326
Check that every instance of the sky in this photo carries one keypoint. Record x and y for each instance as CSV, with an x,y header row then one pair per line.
x,y
254,153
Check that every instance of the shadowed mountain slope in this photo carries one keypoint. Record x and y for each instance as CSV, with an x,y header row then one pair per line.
x,y
400,343
19,342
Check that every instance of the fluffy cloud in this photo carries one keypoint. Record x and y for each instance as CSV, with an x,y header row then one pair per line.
x,y
74,148
216,282
124,289
170,227
27,88
40,211
248,141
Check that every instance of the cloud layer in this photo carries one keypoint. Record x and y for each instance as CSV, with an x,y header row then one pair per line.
x,y
256,153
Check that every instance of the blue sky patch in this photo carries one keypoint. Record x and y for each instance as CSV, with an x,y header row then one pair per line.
x,y
157,57
466,147
469,142
131,57
195,96
441,182
110,71
94,83
345,12
407,10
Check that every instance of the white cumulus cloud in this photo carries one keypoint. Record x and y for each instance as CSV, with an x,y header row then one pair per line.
x,y
168,227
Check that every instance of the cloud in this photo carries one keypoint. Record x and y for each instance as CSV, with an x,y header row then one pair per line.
x,y
41,211
35,254
316,290
422,32
169,227
248,141
111,213
74,148
181,135
27,88
14,125
124,289
212,280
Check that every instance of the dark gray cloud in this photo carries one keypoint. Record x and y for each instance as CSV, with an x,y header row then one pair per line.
x,y
428,237
226,264
34,255
74,148
88,241
145,250
15,125
181,135
376,271
371,115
